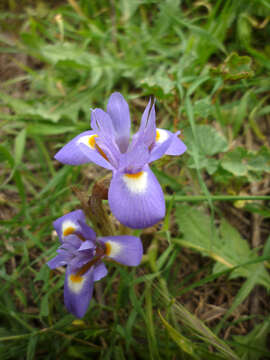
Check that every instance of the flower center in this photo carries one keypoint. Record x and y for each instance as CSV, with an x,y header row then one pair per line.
x,y
78,276
157,135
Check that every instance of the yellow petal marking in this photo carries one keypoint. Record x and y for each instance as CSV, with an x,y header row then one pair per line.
x,y
92,141
69,230
136,183
161,135
134,176
75,278
108,248
112,248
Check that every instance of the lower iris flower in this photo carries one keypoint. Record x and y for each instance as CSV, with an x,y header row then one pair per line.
x,y
135,196
83,254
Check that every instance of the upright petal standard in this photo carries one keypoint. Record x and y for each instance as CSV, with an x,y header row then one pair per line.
x,y
135,196
83,254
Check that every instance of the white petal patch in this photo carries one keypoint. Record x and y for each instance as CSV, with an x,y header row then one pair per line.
x,y
88,140
112,248
136,183
161,136
75,283
68,227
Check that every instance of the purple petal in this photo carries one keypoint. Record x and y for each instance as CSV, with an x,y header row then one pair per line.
x,y
78,292
100,271
69,223
165,139
147,130
177,147
70,243
134,159
86,245
86,231
81,150
97,156
118,110
109,148
136,200
58,260
124,249
80,259
101,122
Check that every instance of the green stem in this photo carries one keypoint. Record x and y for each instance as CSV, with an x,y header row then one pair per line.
x,y
198,198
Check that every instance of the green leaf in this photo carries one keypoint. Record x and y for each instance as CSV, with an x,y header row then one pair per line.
x,y
44,308
184,343
240,162
254,343
19,146
31,347
225,245
65,51
235,67
234,162
210,141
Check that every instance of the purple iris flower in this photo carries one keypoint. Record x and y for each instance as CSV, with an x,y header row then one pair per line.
x,y
83,254
135,195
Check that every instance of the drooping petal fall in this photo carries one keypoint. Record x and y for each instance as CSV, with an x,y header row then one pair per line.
x,y
125,249
69,223
82,149
100,271
58,260
136,200
78,290
166,143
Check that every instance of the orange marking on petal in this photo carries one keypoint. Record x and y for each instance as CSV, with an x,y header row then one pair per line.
x,y
102,153
108,249
92,141
75,278
69,230
134,176
157,135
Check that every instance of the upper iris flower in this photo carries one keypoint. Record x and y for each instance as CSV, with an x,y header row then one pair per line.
x,y
83,253
135,196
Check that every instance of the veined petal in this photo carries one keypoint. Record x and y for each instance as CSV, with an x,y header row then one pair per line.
x,y
118,110
177,147
166,143
163,140
136,200
81,150
135,158
125,249
87,245
148,124
58,260
69,223
94,153
78,290
101,122
100,271
86,232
